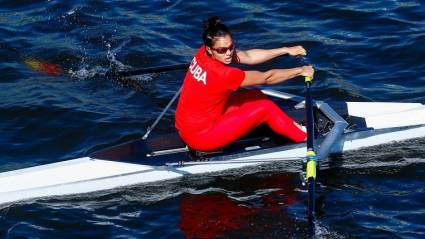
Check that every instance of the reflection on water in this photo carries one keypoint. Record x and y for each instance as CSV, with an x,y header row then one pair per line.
x,y
215,214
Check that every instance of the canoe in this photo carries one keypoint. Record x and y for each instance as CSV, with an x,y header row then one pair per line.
x,y
339,127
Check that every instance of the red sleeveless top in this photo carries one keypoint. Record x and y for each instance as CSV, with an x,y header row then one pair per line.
x,y
206,89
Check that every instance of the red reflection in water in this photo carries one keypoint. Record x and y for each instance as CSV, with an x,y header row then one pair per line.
x,y
212,215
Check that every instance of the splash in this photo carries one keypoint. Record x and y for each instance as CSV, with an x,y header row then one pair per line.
x,y
111,56
44,67
85,70
87,73
321,231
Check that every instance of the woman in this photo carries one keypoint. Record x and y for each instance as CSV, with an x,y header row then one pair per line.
x,y
209,114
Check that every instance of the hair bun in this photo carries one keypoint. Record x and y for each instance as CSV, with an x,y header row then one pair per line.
x,y
212,23
213,27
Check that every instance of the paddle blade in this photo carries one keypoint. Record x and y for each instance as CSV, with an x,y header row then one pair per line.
x,y
47,68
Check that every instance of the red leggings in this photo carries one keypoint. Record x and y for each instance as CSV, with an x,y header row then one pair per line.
x,y
243,112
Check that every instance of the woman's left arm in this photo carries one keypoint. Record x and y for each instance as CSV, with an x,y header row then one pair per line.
x,y
257,56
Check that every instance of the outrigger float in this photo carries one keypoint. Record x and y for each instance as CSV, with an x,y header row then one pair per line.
x,y
338,127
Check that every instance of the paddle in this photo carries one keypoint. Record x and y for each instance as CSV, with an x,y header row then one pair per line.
x,y
147,70
124,77
121,77
311,155
42,66
57,70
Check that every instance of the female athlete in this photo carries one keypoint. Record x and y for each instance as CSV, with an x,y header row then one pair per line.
x,y
210,113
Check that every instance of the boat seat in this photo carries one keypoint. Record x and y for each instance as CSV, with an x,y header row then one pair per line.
x,y
262,136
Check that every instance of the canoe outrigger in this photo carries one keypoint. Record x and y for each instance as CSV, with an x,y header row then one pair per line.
x,y
339,126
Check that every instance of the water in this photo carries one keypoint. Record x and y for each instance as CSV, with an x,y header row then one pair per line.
x,y
362,50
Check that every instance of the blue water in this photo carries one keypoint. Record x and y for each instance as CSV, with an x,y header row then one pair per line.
x,y
362,51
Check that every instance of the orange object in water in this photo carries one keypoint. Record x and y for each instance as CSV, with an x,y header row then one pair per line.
x,y
50,69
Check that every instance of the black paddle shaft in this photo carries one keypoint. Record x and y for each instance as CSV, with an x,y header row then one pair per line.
x,y
147,70
309,116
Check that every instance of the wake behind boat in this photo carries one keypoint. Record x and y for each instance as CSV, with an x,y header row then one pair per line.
x,y
339,127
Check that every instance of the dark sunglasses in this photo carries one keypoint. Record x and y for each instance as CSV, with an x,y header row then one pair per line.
x,y
223,50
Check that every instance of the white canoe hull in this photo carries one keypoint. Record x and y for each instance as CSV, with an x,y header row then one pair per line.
x,y
391,122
